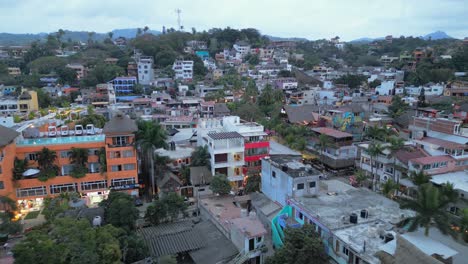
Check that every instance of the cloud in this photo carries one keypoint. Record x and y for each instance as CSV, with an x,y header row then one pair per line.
x,y
301,18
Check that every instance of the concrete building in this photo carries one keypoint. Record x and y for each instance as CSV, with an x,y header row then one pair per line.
x,y
145,70
285,176
26,102
124,85
116,141
14,71
353,223
79,68
340,153
183,69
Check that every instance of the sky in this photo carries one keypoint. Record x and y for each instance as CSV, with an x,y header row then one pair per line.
x,y
312,19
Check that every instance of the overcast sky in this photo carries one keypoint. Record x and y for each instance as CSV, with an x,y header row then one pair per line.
x,y
313,19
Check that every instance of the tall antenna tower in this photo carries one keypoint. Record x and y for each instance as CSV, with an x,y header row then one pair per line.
x,y
178,11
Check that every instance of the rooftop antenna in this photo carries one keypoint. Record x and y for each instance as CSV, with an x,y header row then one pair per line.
x,y
178,11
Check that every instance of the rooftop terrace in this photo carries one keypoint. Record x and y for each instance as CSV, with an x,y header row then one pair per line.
x,y
60,140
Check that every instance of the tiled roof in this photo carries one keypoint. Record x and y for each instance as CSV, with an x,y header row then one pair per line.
x,y
119,124
7,135
224,135
406,155
300,114
331,132
443,143
432,159
172,238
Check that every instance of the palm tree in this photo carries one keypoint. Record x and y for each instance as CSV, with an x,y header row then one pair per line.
x,y
46,160
374,132
145,29
79,158
374,150
464,225
396,144
110,34
430,206
150,136
200,157
389,187
419,178
323,143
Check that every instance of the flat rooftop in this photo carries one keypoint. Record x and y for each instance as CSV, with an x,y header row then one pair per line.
x,y
459,179
178,153
295,167
337,200
60,140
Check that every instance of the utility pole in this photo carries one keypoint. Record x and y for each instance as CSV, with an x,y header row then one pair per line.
x,y
179,25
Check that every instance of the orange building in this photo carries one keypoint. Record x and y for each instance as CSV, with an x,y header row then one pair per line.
x,y
121,172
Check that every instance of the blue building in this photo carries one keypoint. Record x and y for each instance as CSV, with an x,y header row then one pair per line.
x,y
202,54
124,85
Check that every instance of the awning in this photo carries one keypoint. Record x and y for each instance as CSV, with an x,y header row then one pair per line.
x,y
30,172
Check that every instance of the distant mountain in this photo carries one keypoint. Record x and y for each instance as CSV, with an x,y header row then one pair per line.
x,y
273,38
436,35
365,40
9,39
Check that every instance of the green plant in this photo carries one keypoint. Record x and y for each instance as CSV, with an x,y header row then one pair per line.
x,y
78,171
220,184
19,168
46,159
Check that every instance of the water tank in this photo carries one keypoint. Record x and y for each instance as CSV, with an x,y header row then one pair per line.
x,y
388,237
353,218
97,221
364,213
244,213
252,215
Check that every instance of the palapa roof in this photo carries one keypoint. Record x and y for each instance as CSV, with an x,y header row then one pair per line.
x,y
120,123
7,135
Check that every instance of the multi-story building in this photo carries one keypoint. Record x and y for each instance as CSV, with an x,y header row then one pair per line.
x,y
458,88
183,69
285,176
14,71
103,95
242,145
26,102
120,171
124,85
242,48
79,68
145,70
340,152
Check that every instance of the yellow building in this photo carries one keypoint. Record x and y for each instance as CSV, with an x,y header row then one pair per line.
x,y
27,101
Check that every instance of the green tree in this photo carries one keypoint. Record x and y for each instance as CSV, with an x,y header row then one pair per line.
x,y
79,159
301,246
430,206
353,81
396,144
375,83
220,184
464,224
422,98
46,160
200,157
419,178
66,75
398,107
389,188
374,150
323,143
253,184
120,210
7,226
150,136
47,65
168,208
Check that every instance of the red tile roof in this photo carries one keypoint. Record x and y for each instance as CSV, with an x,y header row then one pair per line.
x,y
406,155
331,132
432,159
443,143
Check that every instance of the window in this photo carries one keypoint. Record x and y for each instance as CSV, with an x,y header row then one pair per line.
x,y
130,166
65,154
66,169
95,185
34,191
301,216
345,251
116,168
1,170
119,141
94,167
2,185
273,174
32,156
127,153
60,188
124,181
300,186
454,210
337,246
312,184
93,152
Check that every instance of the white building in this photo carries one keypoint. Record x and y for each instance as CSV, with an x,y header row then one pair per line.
x,y
145,70
183,69
242,49
385,88
285,176
435,90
